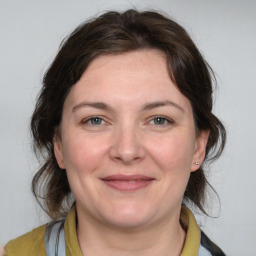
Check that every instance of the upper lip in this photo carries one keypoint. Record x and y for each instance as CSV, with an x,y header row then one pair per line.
x,y
122,177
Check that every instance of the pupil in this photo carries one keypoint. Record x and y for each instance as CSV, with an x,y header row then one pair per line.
x,y
159,120
96,120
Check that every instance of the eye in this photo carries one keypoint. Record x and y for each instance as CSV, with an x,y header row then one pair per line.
x,y
159,120
95,120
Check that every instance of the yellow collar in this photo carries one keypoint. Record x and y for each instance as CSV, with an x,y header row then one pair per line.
x,y
193,236
191,245
72,245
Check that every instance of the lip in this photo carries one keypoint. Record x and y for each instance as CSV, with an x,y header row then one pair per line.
x,y
127,182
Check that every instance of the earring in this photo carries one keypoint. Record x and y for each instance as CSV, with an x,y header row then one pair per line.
x,y
197,163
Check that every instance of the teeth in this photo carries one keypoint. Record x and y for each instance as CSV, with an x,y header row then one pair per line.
x,y
132,181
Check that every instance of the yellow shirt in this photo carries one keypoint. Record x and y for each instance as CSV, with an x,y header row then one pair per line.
x,y
32,243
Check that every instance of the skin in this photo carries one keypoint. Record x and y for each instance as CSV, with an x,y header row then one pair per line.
x,y
2,251
158,141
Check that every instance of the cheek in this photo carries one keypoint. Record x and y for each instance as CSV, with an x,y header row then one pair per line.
x,y
82,153
173,152
173,158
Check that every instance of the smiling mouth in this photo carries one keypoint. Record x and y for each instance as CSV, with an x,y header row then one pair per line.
x,y
127,182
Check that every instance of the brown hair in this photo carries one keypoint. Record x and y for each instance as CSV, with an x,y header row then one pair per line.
x,y
114,33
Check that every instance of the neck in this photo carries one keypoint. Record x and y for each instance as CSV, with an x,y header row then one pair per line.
x,y
162,238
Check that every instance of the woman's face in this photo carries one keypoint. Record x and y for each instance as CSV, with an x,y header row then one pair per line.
x,y
128,141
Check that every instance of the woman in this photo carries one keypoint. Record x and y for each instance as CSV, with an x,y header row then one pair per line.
x,y
125,123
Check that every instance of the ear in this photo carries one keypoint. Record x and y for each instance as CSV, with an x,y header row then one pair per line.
x,y
58,151
200,147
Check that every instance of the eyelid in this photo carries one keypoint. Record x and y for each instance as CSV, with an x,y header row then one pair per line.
x,y
87,119
168,119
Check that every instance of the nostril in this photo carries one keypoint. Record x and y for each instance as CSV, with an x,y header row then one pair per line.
x,y
127,153
127,144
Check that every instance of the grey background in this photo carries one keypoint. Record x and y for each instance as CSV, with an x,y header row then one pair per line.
x,y
225,32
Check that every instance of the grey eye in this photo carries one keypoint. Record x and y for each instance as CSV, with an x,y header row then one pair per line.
x,y
95,121
160,120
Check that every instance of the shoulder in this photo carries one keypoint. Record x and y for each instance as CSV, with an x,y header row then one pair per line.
x,y
31,243
196,243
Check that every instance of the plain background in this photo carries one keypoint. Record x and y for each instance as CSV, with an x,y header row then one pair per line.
x,y
224,31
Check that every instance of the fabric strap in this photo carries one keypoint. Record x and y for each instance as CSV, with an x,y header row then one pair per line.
x,y
55,240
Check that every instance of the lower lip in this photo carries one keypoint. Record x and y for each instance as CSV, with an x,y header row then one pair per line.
x,y
127,185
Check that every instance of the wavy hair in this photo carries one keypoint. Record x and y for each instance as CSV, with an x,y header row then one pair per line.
x,y
116,33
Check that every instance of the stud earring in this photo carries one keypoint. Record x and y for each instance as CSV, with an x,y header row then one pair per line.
x,y
197,163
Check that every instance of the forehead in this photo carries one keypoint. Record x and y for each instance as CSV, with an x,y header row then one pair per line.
x,y
125,63
131,78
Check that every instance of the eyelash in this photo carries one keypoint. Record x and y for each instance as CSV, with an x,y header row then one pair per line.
x,y
90,119
167,121
162,118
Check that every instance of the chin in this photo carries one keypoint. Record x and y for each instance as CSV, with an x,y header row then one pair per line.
x,y
129,217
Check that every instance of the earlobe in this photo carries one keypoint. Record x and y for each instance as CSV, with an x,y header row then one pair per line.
x,y
200,148
58,152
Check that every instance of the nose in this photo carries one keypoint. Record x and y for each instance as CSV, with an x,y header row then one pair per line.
x,y
127,147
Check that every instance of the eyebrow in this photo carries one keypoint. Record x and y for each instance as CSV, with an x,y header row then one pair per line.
x,y
145,107
98,105
157,104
